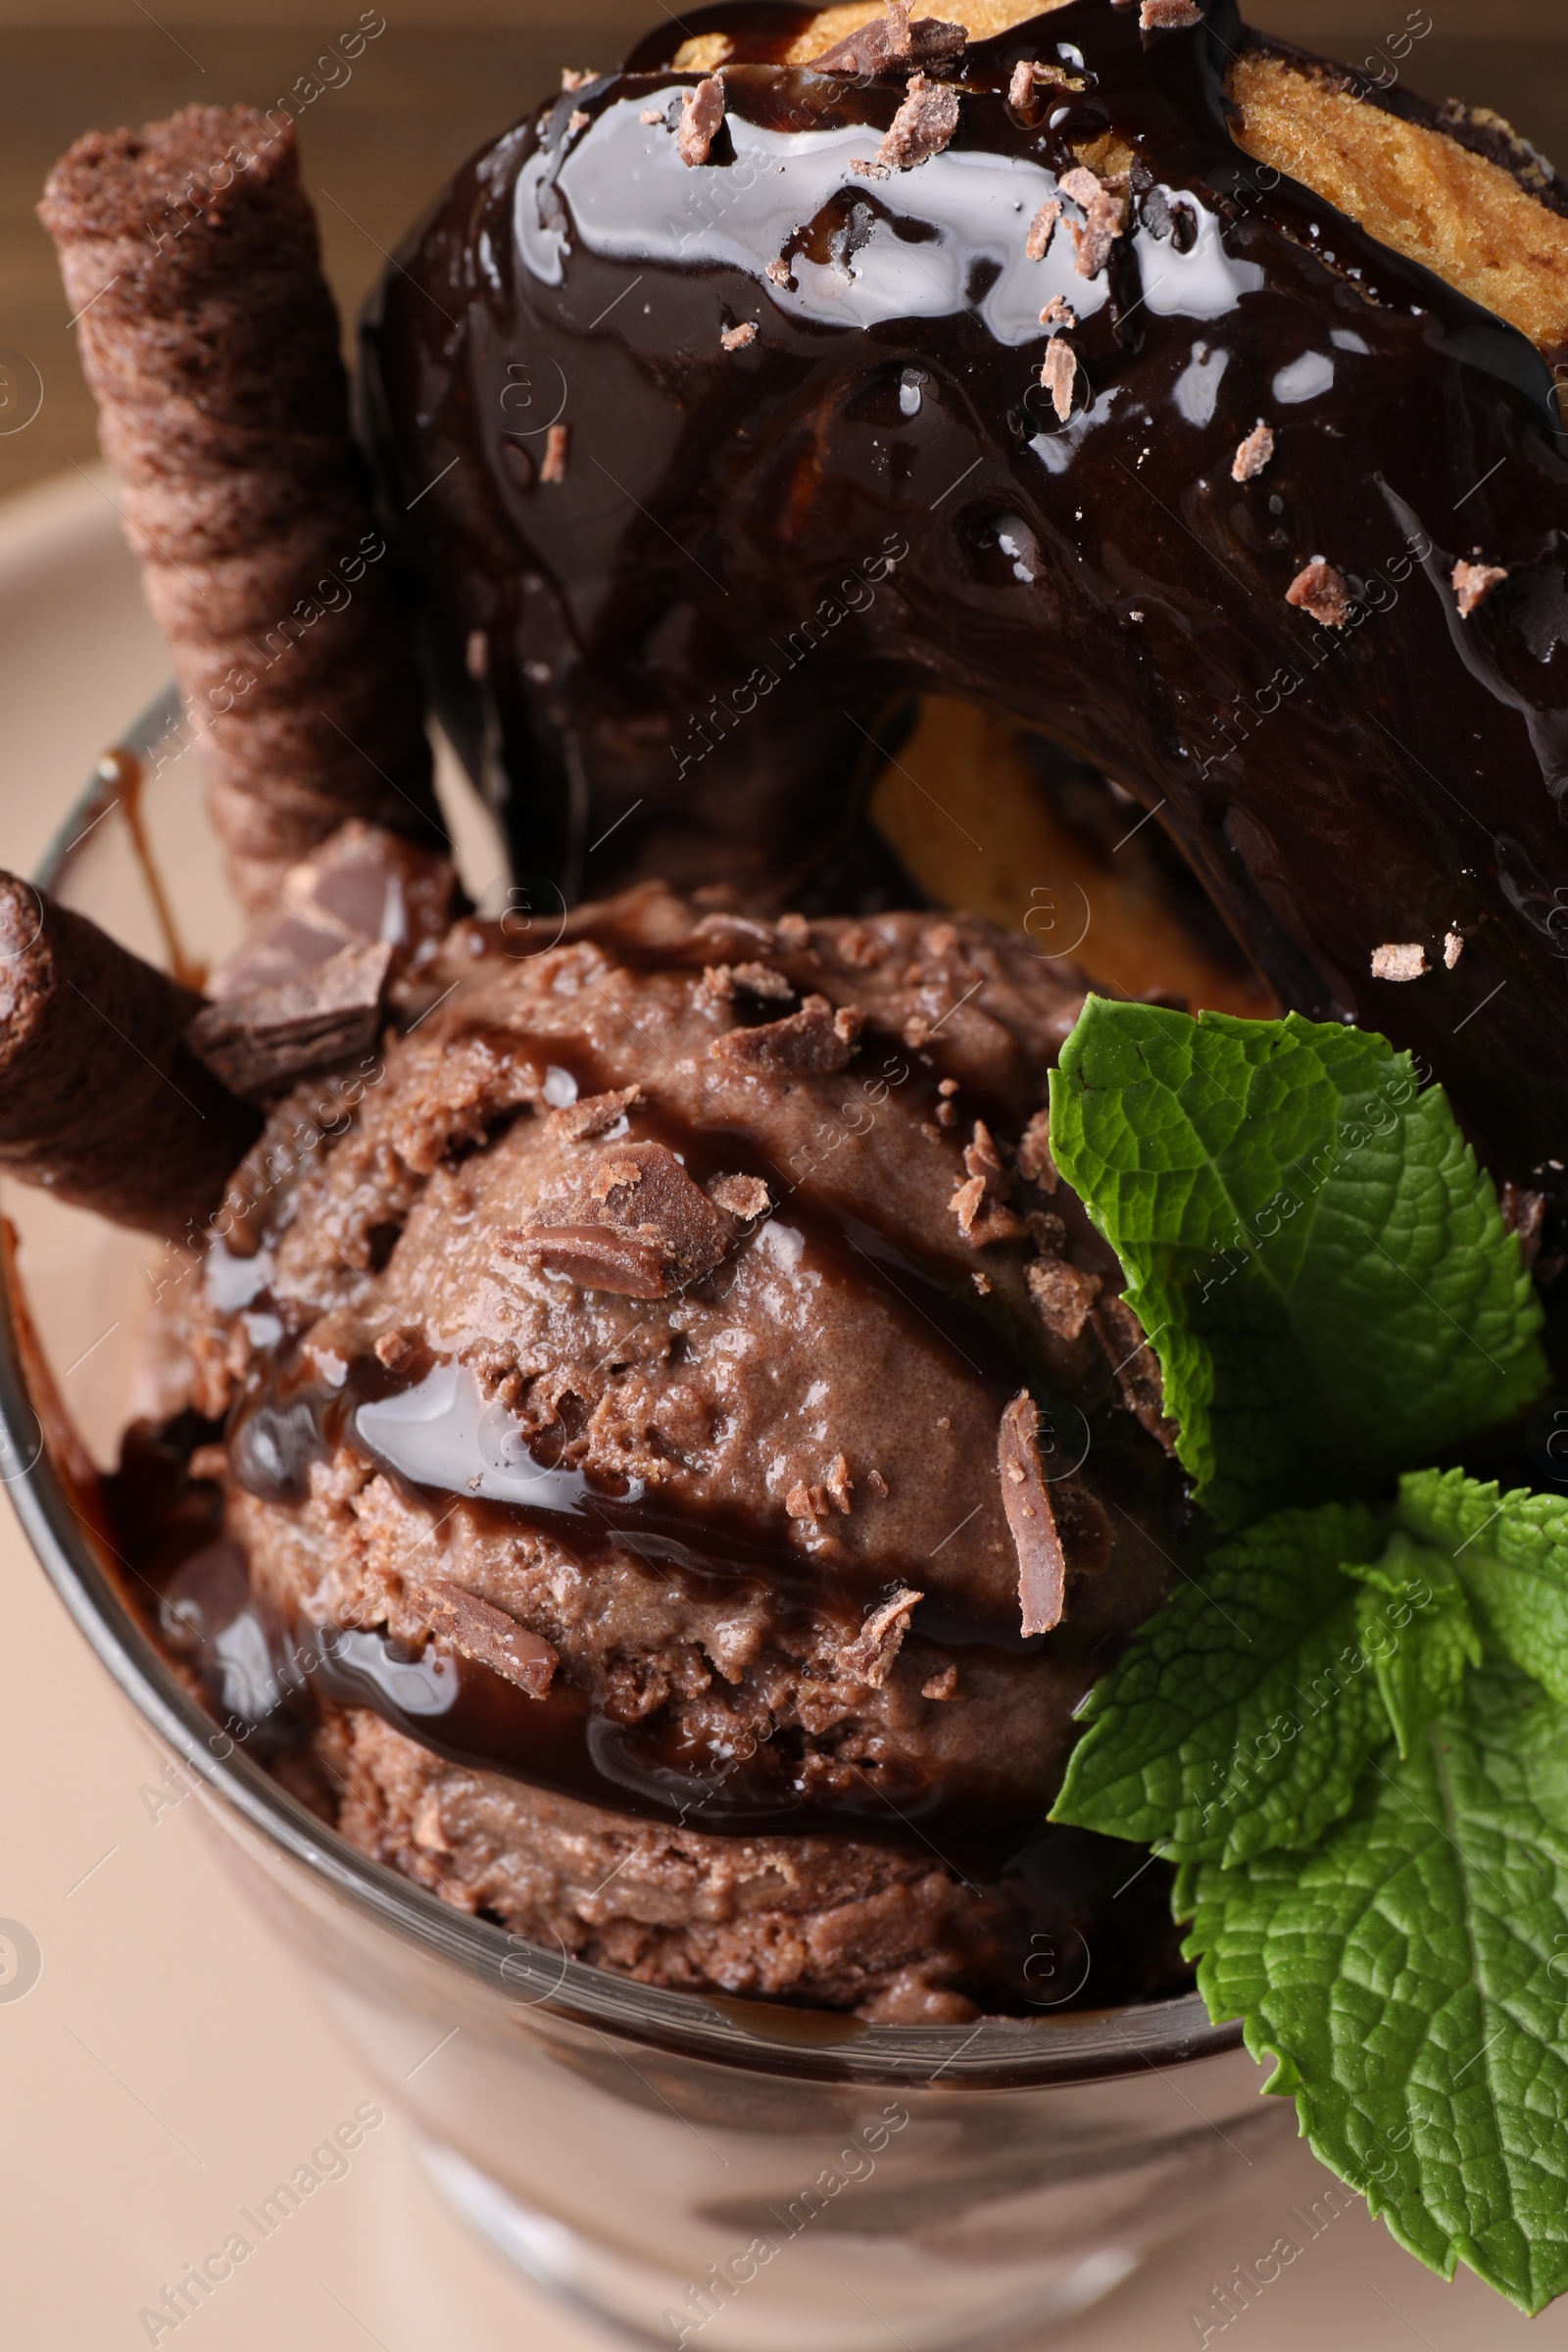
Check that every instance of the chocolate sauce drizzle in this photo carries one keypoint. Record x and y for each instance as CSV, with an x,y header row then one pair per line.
x,y
755,552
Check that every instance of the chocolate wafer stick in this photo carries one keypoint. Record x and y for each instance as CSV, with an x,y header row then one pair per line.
x,y
100,1100
211,341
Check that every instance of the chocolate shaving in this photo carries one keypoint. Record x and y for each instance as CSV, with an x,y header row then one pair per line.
x,y
892,40
257,1044
1058,311
1473,583
1062,1295
1042,228
1323,592
557,440
702,111
1253,454
922,127
736,338
1136,1368
1102,219
593,1114
814,1039
1058,374
870,1656
211,343
1041,1566
1168,16
575,78
1452,948
594,1256
486,1635
942,1685
840,1485
806,1502
100,1100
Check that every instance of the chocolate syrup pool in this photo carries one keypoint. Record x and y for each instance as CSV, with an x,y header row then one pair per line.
x,y
670,657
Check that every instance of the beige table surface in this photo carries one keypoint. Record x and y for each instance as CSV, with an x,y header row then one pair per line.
x,y
169,2065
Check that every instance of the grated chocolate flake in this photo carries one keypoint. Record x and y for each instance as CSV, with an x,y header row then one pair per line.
x,y
1253,454
1042,1565
814,1039
1058,374
736,338
654,115
1473,583
1102,218
557,440
1062,1295
593,1114
1452,948
702,111
779,271
1168,16
870,1656
922,127
942,1685
1042,228
1400,959
1035,1162
840,1485
1323,592
488,1635
740,1197
1058,311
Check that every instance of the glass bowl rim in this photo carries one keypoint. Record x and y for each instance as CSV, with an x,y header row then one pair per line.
x,y
1077,2046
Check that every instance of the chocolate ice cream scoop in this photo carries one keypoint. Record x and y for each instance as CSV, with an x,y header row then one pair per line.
x,y
681,1396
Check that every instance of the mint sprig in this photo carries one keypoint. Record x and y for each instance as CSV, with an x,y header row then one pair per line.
x,y
1319,1264
1410,1976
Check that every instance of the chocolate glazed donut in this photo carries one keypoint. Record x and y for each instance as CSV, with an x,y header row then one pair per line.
x,y
704,462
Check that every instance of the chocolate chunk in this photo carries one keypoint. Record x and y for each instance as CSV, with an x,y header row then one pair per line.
x,y
922,127
592,1114
1042,1567
1324,592
702,111
486,1635
1404,959
260,1043
736,338
100,1100
1473,583
1062,1295
637,1224
358,888
870,1656
814,1039
1253,454
1058,374
1042,228
1135,1367
1102,219
557,442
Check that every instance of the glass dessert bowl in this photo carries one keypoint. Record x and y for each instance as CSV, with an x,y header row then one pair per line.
x,y
759,2174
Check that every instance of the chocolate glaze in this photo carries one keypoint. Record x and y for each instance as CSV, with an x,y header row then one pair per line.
x,y
1104,579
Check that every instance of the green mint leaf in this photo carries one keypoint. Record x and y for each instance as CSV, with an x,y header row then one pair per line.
x,y
1420,1672
1511,1551
1411,1980
1240,1717
1318,1261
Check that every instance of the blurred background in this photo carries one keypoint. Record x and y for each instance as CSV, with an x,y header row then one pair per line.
x,y
390,126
